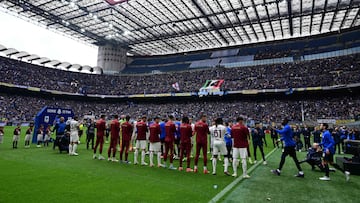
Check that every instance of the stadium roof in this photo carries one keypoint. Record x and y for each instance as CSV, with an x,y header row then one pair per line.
x,y
33,58
156,27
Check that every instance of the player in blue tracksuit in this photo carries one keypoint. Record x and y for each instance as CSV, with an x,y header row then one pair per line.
x,y
258,136
177,139
287,137
162,135
327,144
228,140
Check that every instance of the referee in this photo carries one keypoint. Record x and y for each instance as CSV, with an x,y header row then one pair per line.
x,y
289,149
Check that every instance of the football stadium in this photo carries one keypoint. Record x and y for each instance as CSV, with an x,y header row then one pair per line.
x,y
180,101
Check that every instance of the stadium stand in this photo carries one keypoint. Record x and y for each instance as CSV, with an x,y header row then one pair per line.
x,y
323,72
290,48
22,108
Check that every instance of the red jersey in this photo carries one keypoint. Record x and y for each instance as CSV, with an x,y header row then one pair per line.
x,y
28,131
115,128
126,130
39,132
17,131
186,133
240,133
141,128
202,131
170,130
155,132
101,127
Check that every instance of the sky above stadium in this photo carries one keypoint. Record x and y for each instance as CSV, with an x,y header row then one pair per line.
x,y
25,36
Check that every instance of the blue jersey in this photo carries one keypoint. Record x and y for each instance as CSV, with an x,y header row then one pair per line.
x,y
287,136
177,132
162,128
60,128
327,142
228,139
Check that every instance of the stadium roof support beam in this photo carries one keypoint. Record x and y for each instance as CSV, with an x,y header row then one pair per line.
x,y
192,12
335,13
248,19
57,64
312,15
24,56
189,28
301,10
84,14
355,18
170,27
258,18
41,12
172,13
278,11
268,17
196,27
133,21
160,35
13,52
290,17
227,18
210,22
346,14
323,15
203,30
236,13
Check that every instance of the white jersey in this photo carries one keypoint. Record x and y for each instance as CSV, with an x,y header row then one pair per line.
x,y
74,126
218,132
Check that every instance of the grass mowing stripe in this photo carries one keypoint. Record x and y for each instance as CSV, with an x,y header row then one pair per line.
x,y
237,180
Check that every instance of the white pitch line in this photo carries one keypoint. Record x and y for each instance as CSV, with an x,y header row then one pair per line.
x,y
236,181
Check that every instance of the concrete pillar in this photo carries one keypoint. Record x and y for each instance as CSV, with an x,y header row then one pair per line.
x,y
111,59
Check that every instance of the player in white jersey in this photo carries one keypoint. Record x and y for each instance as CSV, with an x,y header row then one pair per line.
x,y
218,132
74,136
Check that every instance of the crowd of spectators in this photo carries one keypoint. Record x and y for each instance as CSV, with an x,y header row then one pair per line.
x,y
271,54
21,108
325,72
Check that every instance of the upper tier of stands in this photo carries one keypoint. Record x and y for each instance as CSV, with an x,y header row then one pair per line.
x,y
321,72
292,48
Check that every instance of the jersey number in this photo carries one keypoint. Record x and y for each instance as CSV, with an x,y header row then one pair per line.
x,y
217,133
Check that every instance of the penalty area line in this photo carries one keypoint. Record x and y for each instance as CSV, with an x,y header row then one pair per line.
x,y
237,180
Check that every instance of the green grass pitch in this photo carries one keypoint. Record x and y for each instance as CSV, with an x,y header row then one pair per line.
x,y
286,188
44,175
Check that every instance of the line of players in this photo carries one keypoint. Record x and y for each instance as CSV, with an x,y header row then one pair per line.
x,y
43,136
138,131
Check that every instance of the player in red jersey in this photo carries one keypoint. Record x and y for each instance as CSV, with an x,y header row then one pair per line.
x,y
240,134
40,136
100,133
16,136
141,128
155,144
170,130
201,130
126,131
185,143
115,133
47,136
28,135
